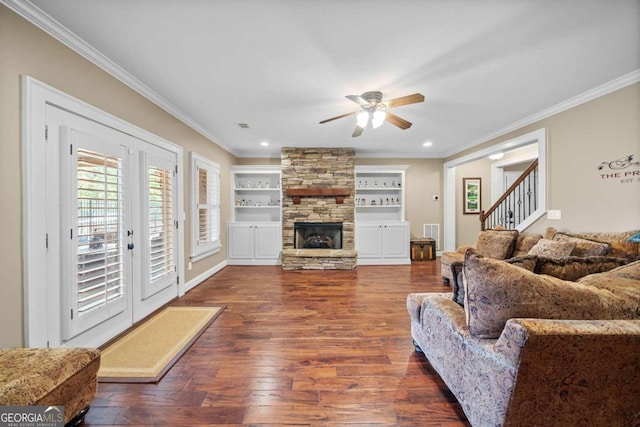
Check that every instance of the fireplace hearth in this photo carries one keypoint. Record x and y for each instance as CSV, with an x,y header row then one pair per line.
x,y
318,235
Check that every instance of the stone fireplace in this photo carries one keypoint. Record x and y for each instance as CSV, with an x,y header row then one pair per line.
x,y
318,186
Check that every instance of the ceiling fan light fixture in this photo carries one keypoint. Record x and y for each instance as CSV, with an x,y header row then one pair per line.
x,y
378,118
362,119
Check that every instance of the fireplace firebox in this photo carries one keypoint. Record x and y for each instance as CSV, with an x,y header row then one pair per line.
x,y
317,235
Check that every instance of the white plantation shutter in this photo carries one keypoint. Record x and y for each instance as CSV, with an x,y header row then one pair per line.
x,y
205,211
161,226
94,265
99,230
159,222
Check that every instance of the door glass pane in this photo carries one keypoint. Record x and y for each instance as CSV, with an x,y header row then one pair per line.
x,y
100,225
161,229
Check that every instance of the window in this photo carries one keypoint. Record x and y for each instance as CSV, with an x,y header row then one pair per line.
x,y
205,207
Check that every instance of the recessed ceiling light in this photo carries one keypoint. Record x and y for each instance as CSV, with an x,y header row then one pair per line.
x,y
264,143
427,144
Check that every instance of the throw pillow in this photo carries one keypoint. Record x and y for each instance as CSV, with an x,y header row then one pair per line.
x,y
524,243
457,287
552,249
497,291
622,281
584,247
635,238
573,268
496,244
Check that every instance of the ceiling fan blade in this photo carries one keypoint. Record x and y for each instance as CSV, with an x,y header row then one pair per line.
x,y
404,100
358,131
358,100
338,117
397,121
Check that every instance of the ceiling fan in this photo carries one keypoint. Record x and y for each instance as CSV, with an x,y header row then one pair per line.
x,y
375,111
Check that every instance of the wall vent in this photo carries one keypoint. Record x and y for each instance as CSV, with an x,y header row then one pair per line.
x,y
243,125
432,231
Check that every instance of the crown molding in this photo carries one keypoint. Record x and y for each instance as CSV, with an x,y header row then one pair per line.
x,y
46,23
598,91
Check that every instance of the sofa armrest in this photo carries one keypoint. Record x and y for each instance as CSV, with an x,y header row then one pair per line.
x,y
463,249
574,372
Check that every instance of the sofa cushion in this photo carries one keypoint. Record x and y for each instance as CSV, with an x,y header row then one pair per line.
x,y
524,243
552,249
584,247
457,286
573,267
496,291
621,247
496,244
623,281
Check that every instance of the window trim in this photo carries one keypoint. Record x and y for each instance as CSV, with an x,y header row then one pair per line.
x,y
199,252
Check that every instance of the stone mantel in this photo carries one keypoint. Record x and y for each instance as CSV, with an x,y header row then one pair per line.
x,y
338,193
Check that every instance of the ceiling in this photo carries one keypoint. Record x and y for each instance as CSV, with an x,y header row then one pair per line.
x,y
281,66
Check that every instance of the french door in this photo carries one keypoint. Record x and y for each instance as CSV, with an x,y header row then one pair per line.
x,y
116,221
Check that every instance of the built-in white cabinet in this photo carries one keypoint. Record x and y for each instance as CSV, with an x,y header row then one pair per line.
x,y
255,231
381,233
383,243
257,243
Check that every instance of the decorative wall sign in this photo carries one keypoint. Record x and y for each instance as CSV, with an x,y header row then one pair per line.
x,y
471,195
624,169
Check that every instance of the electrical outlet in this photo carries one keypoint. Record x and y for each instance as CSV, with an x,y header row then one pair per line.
x,y
556,214
189,265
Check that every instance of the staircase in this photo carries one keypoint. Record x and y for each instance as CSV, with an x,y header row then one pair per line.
x,y
516,204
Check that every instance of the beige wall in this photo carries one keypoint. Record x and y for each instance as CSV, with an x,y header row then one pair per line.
x,y
468,225
578,141
26,50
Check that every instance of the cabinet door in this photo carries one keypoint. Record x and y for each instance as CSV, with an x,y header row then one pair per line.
x,y
396,240
369,240
240,241
268,238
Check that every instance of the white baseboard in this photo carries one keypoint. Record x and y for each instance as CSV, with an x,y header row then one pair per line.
x,y
204,276
384,261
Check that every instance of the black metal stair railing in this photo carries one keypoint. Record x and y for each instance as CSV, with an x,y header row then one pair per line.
x,y
516,204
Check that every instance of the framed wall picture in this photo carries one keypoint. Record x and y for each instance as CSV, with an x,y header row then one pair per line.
x,y
471,195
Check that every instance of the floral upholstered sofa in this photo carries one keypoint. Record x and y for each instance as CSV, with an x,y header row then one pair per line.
x,y
528,349
561,254
50,377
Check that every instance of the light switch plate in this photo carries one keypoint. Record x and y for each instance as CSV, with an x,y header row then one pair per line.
x,y
557,214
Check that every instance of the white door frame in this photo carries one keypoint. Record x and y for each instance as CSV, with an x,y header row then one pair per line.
x,y
537,136
35,96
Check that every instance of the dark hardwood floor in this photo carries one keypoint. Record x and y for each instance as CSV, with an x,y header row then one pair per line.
x,y
305,348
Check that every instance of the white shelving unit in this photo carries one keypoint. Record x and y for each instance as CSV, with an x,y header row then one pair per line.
x,y
255,230
380,193
382,234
